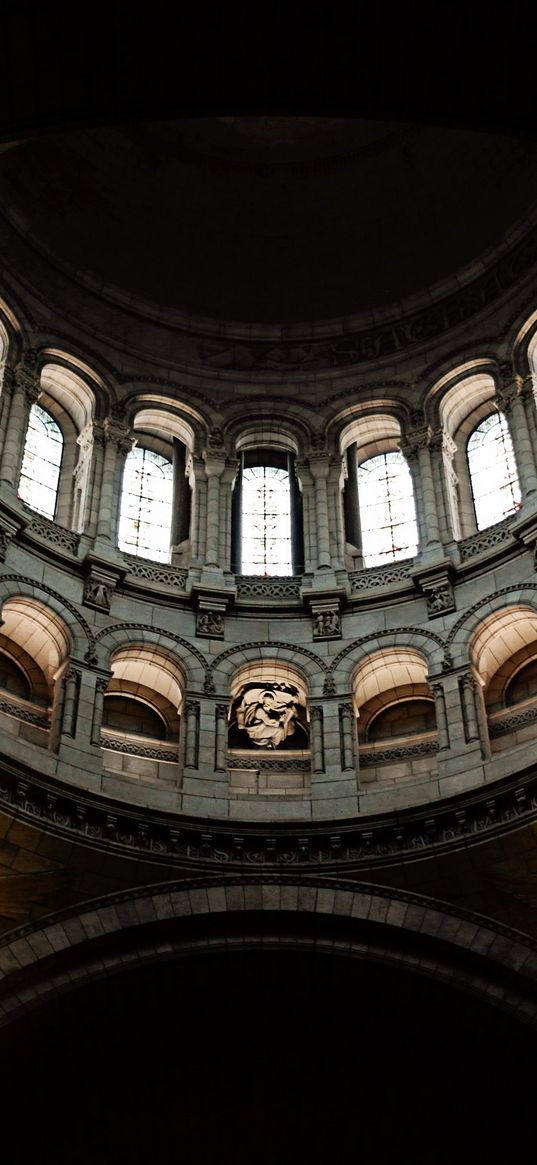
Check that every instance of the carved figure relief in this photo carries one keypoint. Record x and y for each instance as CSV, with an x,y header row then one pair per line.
x,y
269,716
211,624
327,625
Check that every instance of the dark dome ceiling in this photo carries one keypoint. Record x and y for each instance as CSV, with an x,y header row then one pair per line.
x,y
267,219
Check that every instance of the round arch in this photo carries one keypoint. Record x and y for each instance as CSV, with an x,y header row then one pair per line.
x,y
362,920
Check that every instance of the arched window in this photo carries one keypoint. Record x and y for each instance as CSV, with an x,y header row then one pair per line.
x,y
40,472
387,509
493,472
266,515
146,505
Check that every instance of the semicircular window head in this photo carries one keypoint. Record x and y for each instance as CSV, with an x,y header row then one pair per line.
x,y
146,505
41,462
266,546
387,509
493,472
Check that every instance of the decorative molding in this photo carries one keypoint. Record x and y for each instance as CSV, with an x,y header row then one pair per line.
x,y
485,540
509,721
155,572
380,576
96,821
149,752
386,756
326,620
253,587
265,765
40,527
11,707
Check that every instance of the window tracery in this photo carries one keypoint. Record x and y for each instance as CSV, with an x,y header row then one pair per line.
x,y
41,462
493,472
266,519
387,509
146,505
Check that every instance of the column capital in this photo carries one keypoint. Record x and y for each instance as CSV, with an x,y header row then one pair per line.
x,y
320,463
215,462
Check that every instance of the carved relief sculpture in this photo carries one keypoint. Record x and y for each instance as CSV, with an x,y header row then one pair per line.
x,y
269,716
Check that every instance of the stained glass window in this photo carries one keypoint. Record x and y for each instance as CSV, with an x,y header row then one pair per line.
x,y
387,509
146,505
266,521
493,472
40,473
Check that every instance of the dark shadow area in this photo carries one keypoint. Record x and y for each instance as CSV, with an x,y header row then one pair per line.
x,y
265,1056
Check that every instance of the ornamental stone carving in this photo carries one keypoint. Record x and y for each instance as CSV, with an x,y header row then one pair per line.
x,y
326,623
268,715
210,624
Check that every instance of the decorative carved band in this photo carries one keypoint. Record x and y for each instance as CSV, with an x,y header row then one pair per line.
x,y
13,709
386,756
485,539
76,814
269,766
380,576
144,750
57,535
269,588
512,720
170,576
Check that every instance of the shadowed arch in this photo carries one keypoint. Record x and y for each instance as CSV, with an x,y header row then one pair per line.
x,y
379,923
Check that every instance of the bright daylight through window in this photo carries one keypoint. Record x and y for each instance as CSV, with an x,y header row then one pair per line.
x,y
266,521
146,505
40,472
387,509
493,473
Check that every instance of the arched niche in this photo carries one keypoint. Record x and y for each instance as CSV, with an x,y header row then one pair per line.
x,y
396,715
142,714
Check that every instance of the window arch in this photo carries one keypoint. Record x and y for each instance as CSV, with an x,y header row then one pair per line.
x,y
146,505
493,471
266,514
41,462
387,509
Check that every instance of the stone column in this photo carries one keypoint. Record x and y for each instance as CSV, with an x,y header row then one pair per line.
x,y
317,739
320,468
335,510
25,391
416,449
214,468
71,692
220,741
117,444
308,516
353,526
443,449
198,521
467,687
510,399
226,504
441,716
81,477
347,731
192,711
100,688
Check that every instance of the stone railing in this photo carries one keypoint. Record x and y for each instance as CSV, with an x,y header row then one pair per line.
x,y
509,721
401,752
484,540
160,752
143,570
51,532
272,589
381,576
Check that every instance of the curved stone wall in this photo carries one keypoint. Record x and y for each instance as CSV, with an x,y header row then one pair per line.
x,y
328,653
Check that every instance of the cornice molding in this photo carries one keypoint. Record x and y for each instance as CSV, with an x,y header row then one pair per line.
x,y
194,844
